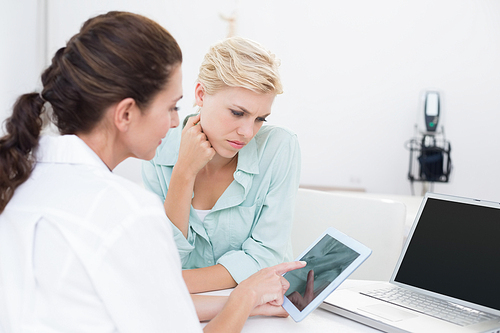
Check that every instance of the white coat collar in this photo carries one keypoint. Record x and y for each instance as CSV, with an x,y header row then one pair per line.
x,y
68,149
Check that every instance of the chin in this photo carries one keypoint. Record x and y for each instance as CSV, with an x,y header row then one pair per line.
x,y
223,149
146,156
229,154
226,153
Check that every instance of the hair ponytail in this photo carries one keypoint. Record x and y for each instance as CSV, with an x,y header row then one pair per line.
x,y
17,146
115,56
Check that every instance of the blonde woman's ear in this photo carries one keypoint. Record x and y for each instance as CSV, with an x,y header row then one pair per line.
x,y
199,94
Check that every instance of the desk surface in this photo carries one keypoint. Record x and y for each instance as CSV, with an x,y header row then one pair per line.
x,y
318,321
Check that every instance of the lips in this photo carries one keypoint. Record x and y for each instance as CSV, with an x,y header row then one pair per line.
x,y
236,144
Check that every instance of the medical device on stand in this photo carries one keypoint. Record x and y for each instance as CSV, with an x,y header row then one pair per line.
x,y
429,150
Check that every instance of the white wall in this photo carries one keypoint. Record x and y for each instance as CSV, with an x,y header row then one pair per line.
x,y
20,55
353,72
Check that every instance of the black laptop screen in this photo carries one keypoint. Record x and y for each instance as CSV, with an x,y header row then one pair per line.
x,y
455,251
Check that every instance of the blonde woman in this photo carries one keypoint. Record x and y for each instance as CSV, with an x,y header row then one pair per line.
x,y
228,181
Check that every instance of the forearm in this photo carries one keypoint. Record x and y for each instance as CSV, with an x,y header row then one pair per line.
x,y
234,314
178,199
207,307
207,279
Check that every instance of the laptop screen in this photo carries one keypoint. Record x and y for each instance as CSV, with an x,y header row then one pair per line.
x,y
455,251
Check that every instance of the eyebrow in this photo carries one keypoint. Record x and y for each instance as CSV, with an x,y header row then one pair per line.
x,y
248,112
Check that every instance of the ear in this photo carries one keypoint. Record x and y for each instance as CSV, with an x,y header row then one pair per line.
x,y
125,111
199,94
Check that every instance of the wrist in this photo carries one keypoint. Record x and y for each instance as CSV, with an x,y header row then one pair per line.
x,y
183,173
245,296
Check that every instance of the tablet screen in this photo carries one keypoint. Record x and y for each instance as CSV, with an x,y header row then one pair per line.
x,y
325,261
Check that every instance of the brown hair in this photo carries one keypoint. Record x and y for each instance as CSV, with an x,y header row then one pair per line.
x,y
114,56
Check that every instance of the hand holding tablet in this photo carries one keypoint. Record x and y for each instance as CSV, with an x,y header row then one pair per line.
x,y
330,260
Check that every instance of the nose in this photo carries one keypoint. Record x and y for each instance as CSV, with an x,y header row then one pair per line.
x,y
174,119
246,129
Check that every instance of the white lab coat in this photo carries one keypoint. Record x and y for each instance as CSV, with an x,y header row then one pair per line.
x,y
84,250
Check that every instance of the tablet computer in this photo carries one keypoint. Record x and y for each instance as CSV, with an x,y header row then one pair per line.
x,y
330,260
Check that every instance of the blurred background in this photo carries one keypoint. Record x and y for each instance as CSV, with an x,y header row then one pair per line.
x,y
354,72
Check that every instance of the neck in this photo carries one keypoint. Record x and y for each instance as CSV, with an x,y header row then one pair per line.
x,y
104,144
218,163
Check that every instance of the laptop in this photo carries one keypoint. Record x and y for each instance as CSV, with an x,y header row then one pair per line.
x,y
447,278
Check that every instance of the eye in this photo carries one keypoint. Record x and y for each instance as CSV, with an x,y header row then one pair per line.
x,y
261,119
174,109
237,113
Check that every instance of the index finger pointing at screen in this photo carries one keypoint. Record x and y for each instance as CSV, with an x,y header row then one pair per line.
x,y
289,266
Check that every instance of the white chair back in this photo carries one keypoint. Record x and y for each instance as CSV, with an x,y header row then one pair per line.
x,y
377,223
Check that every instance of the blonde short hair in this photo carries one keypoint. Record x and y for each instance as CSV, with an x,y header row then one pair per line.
x,y
240,62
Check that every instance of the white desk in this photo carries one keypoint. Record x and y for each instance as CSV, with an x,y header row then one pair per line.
x,y
318,321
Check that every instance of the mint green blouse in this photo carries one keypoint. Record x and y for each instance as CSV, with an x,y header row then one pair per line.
x,y
249,227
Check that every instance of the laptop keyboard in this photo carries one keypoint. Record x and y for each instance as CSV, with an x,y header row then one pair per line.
x,y
431,306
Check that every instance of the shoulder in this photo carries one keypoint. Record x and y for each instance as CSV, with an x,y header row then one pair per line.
x,y
172,139
120,206
274,130
131,196
168,151
95,197
273,143
119,196
273,133
108,194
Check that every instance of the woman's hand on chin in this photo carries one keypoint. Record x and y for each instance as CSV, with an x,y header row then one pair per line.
x,y
195,150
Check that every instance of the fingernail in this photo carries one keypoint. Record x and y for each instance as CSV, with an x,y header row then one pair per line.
x,y
305,263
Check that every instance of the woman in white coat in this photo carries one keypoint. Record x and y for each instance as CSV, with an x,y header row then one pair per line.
x,y
82,249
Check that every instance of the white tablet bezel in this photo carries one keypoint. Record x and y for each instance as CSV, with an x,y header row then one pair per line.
x,y
364,253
